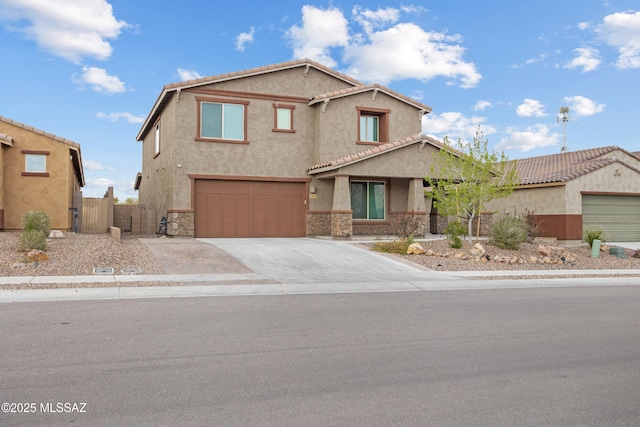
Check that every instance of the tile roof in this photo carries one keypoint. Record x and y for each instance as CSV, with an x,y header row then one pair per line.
x,y
38,131
367,88
6,139
373,152
261,70
563,167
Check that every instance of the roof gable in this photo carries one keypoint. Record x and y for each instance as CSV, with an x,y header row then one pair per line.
x,y
73,146
563,167
374,152
374,89
169,89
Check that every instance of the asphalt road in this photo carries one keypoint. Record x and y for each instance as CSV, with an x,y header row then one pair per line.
x,y
519,357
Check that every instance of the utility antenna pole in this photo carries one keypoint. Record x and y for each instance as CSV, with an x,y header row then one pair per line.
x,y
564,111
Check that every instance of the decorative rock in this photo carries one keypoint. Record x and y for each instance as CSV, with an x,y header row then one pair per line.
x,y
477,250
415,249
430,252
36,255
544,250
56,234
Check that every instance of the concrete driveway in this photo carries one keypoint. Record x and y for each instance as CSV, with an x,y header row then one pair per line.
x,y
313,261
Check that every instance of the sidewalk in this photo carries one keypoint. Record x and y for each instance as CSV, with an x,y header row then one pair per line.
x,y
202,285
227,267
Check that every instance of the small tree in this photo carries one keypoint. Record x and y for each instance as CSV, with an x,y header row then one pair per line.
x,y
463,181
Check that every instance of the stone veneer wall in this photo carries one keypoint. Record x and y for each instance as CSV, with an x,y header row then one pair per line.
x,y
319,224
341,224
486,219
180,223
391,227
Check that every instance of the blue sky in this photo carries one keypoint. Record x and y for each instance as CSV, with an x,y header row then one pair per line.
x,y
91,70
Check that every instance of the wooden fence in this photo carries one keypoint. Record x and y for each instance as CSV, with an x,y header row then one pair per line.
x,y
95,215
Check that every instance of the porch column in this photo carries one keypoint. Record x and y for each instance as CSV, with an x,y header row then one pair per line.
x,y
341,213
416,203
417,207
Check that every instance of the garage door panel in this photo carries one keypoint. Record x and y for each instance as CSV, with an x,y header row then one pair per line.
x,y
617,216
249,208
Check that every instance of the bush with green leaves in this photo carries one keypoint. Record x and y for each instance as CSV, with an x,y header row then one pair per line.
x,y
35,229
508,232
591,234
36,220
454,232
32,239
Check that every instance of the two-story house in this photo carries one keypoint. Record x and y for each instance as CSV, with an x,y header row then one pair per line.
x,y
287,150
39,171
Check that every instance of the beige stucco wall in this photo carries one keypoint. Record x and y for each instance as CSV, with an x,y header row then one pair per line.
x,y
339,133
567,199
52,194
269,154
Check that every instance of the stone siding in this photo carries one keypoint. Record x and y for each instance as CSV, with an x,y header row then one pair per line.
x,y
180,223
318,224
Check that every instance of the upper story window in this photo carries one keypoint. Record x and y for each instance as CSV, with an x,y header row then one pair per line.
x,y
373,125
35,163
222,121
156,149
369,128
283,118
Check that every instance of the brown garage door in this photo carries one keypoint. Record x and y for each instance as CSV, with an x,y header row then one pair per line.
x,y
249,208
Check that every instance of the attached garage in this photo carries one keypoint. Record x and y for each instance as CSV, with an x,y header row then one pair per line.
x,y
618,216
244,208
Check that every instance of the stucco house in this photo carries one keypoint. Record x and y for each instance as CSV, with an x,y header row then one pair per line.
x,y
576,190
291,149
39,171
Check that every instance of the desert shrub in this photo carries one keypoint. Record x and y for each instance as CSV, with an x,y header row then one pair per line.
x,y
454,232
32,239
35,229
36,220
508,232
591,234
535,225
405,225
393,246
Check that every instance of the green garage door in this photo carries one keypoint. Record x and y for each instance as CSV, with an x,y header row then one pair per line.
x,y
618,216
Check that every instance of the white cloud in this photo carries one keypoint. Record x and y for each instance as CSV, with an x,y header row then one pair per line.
x,y
114,117
100,81
587,58
583,106
583,25
533,137
530,108
370,20
244,38
98,186
386,50
185,74
95,166
321,31
622,31
454,125
70,29
482,105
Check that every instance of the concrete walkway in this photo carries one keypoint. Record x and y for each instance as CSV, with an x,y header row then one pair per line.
x,y
225,267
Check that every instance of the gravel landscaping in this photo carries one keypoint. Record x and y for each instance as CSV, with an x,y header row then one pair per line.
x,y
80,254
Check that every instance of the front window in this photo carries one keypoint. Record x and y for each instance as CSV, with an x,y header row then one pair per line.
x,y
222,121
369,129
283,118
373,125
157,140
36,163
368,199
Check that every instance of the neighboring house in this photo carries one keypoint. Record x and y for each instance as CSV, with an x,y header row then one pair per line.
x,y
291,149
577,190
39,172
